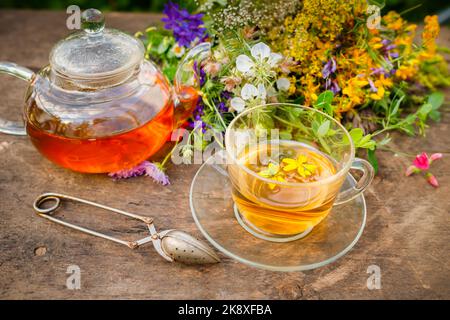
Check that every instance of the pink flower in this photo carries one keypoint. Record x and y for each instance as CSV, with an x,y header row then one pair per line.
x,y
212,68
411,170
153,170
421,161
436,156
432,180
231,82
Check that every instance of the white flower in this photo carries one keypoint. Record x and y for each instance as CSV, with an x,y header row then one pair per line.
x,y
261,56
177,50
283,84
244,64
249,93
260,51
238,104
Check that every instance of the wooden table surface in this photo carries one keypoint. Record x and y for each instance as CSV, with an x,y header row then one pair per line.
x,y
407,233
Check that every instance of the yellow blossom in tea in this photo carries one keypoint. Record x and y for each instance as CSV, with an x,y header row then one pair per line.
x,y
304,169
272,172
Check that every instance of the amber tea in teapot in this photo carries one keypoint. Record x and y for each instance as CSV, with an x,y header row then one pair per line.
x,y
99,106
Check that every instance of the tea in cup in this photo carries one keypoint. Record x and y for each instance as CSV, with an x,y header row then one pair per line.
x,y
286,164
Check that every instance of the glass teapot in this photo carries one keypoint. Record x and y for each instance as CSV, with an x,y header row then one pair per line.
x,y
99,106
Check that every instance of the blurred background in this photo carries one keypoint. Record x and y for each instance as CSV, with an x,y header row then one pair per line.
x,y
413,9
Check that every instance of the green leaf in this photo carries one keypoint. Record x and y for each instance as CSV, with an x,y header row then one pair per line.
x,y
370,145
163,46
410,119
373,159
378,3
356,134
384,141
425,109
324,145
436,99
408,129
285,135
325,97
169,71
323,129
324,102
435,115
394,110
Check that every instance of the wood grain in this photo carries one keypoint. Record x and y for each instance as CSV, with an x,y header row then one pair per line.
x,y
407,231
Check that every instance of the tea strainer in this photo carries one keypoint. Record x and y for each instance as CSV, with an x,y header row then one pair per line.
x,y
172,245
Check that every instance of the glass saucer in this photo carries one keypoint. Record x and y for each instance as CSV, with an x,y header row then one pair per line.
x,y
213,211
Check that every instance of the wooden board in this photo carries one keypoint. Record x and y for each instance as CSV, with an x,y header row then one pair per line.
x,y
407,233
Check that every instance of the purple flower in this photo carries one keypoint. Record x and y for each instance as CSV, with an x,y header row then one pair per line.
x,y
332,85
378,71
222,107
153,170
372,86
335,87
387,49
197,117
226,95
186,27
393,55
199,74
329,68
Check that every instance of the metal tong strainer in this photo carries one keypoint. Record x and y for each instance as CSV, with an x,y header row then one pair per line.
x,y
172,245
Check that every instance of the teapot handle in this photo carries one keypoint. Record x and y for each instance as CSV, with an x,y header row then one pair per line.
x,y
14,127
188,80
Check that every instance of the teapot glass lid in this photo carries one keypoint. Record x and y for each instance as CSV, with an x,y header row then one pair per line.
x,y
95,51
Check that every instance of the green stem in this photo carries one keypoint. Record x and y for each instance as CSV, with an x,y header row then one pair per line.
x,y
298,126
376,133
396,152
168,155
213,107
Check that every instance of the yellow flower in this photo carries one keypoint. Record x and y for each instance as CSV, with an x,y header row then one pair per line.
x,y
393,21
379,94
407,71
380,84
376,43
430,33
387,82
354,89
272,172
300,164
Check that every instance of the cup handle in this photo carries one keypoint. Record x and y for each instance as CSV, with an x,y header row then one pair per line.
x,y
14,127
361,185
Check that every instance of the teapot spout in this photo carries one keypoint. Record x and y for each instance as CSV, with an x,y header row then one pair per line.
x,y
188,81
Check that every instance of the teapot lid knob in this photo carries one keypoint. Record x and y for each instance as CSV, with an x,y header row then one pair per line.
x,y
92,21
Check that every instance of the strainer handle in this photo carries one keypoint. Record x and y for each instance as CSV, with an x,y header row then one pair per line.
x,y
14,127
56,198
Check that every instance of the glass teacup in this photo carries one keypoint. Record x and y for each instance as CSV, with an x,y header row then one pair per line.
x,y
286,164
